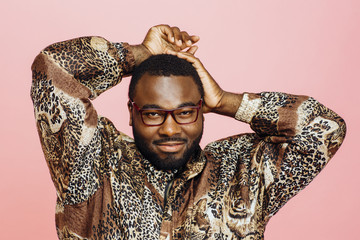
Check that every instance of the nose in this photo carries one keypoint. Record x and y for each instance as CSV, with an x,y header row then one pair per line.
x,y
169,127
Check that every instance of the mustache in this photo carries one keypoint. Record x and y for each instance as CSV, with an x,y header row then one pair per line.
x,y
170,139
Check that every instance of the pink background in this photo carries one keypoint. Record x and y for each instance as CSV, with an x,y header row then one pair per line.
x,y
301,47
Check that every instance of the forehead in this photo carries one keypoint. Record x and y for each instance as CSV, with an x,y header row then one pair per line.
x,y
166,91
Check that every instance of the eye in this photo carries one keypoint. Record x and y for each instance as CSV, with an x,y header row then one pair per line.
x,y
185,113
152,114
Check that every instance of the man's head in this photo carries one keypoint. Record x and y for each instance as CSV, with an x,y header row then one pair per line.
x,y
166,82
165,65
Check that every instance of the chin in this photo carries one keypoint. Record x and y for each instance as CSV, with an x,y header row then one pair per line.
x,y
168,163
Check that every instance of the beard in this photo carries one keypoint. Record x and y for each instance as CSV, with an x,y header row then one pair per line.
x,y
170,162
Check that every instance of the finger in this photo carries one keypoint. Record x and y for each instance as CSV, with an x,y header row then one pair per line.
x,y
167,31
194,39
169,51
188,57
177,36
186,39
192,50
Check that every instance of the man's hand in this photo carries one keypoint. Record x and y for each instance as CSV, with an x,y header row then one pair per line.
x,y
215,99
213,92
162,38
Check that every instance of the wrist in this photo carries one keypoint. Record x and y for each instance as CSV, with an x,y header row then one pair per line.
x,y
229,104
140,53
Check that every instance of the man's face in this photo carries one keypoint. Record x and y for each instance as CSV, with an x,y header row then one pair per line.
x,y
170,145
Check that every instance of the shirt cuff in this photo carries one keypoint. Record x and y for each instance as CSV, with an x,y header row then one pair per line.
x,y
127,57
247,108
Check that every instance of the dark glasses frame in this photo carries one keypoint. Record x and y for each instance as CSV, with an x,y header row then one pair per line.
x,y
171,112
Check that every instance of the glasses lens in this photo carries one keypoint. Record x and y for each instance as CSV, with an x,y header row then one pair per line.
x,y
186,115
153,117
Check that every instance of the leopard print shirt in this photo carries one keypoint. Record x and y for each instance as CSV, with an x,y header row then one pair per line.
x,y
107,190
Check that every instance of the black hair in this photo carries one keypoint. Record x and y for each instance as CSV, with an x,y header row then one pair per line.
x,y
164,65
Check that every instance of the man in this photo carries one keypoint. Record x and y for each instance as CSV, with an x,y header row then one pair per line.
x,y
162,185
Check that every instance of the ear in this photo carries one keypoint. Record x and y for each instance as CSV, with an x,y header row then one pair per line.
x,y
130,108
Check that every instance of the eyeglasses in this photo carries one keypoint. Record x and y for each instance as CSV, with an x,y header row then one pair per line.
x,y
157,116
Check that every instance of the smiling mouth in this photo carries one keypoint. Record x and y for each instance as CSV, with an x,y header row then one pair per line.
x,y
170,147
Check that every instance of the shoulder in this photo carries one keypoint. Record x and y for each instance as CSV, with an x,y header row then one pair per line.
x,y
231,148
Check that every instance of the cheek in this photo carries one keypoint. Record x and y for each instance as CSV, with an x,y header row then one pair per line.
x,y
194,130
145,132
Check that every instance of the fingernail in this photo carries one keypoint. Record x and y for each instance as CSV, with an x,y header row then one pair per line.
x,y
172,39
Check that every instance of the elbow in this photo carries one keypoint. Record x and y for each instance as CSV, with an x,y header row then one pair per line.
x,y
337,138
39,63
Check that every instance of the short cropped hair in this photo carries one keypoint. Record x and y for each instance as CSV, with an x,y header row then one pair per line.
x,y
164,65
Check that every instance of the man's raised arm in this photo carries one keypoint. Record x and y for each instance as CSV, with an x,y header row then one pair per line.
x,y
297,134
66,75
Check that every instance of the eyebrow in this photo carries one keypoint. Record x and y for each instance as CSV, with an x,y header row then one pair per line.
x,y
150,106
186,104
155,106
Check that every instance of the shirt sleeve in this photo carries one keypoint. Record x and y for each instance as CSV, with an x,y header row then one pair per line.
x,y
299,135
66,75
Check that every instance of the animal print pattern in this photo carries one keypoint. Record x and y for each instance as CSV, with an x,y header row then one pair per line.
x,y
229,190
